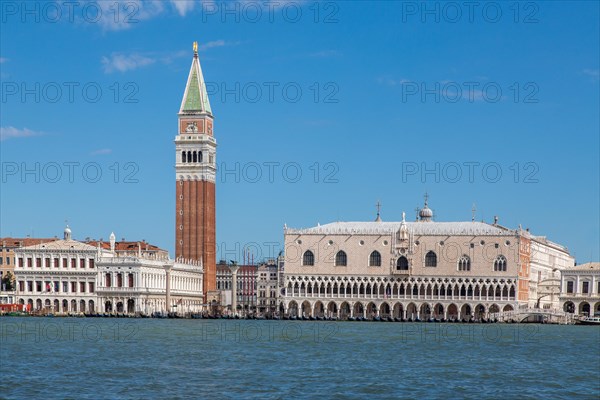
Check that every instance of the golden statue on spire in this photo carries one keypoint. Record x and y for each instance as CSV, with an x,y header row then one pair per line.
x,y
195,45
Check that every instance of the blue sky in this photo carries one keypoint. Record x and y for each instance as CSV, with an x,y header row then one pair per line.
x,y
369,94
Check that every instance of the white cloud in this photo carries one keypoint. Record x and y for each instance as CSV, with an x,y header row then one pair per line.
x,y
125,62
3,60
210,45
183,6
10,132
101,152
592,73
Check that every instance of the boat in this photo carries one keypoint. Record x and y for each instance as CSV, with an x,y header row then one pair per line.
x,y
589,321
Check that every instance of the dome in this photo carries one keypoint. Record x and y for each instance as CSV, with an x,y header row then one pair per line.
x,y
67,235
425,212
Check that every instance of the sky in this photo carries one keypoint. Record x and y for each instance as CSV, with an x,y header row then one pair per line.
x,y
322,109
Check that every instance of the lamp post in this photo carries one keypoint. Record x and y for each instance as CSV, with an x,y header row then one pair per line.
x,y
233,267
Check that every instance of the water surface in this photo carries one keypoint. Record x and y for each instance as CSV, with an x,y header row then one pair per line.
x,y
93,358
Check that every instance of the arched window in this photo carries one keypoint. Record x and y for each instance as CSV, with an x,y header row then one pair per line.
x,y
431,259
183,157
464,263
500,263
195,157
308,258
375,259
189,157
341,260
402,264
119,280
199,156
108,282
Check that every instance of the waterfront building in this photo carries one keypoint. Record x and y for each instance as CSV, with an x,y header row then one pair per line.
x,y
57,276
547,260
247,276
7,254
195,169
580,289
267,287
69,276
141,283
422,269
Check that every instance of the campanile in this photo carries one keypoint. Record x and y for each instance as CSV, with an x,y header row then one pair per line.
x,y
195,168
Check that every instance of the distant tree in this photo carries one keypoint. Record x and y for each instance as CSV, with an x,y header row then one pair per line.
x,y
8,282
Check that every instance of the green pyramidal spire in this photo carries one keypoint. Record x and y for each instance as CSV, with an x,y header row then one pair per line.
x,y
195,98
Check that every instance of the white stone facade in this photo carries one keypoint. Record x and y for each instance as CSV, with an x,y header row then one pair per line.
x,y
57,277
580,289
68,276
423,269
137,285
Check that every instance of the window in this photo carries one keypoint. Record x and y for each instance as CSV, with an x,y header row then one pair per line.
x,y
65,286
585,287
47,263
431,259
82,287
7,260
341,260
1,260
598,291
375,259
21,286
308,258
65,263
38,262
91,286
38,286
464,263
30,286
29,263
402,264
73,287
108,280
570,286
500,263
82,263
21,262
119,280
130,280
91,263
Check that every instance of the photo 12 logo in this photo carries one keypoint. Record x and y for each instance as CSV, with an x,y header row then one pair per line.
x,y
453,12
469,91
278,171
68,92
469,172
273,92
83,11
270,11
69,172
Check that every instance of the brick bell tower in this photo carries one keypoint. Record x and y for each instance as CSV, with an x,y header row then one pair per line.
x,y
195,168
